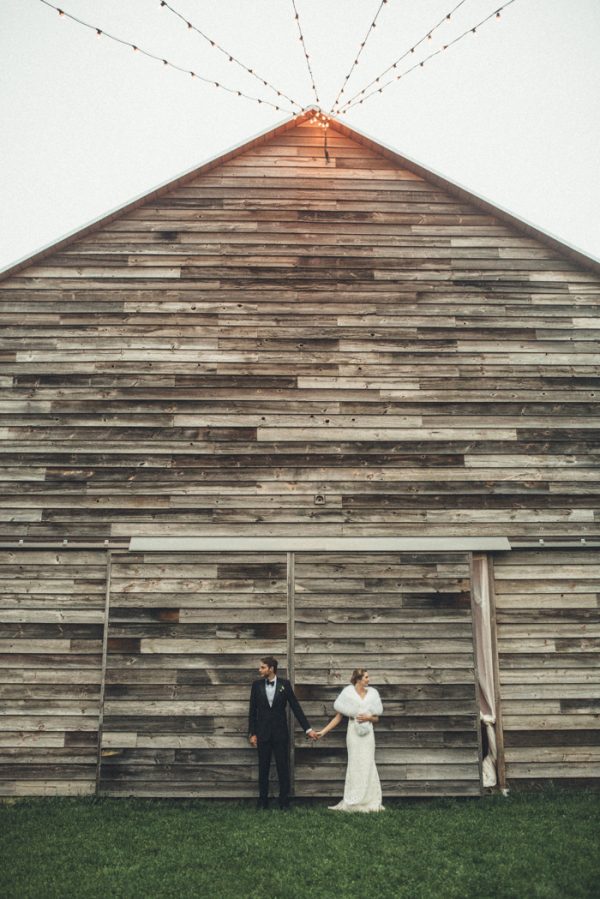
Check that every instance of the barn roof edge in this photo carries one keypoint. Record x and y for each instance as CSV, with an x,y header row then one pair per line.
x,y
571,252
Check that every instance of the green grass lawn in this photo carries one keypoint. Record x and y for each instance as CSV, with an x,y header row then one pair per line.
x,y
528,845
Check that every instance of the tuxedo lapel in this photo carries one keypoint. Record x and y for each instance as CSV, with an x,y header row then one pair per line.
x,y
279,692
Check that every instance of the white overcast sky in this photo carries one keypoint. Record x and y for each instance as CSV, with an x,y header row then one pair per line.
x,y
510,113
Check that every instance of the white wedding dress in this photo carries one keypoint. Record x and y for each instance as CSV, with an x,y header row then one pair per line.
x,y
362,790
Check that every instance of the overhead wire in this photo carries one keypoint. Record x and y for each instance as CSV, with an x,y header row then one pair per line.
x,y
371,28
230,56
100,32
426,37
496,14
307,57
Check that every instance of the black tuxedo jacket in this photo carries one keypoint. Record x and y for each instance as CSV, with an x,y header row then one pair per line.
x,y
270,722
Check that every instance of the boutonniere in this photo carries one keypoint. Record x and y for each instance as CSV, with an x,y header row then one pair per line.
x,y
282,689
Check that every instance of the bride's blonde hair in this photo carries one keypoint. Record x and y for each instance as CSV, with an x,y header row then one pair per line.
x,y
357,675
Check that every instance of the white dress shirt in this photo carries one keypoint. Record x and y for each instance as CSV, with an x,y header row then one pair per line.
x,y
270,688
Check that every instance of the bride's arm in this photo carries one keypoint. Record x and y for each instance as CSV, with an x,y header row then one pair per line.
x,y
373,718
333,723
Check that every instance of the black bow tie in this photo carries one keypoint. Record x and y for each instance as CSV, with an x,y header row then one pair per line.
x,y
269,683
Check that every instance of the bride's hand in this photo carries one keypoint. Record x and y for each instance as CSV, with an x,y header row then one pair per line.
x,y
362,718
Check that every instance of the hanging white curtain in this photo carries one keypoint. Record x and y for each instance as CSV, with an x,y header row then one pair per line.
x,y
485,665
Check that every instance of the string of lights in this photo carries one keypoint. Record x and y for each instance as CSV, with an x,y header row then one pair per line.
x,y
310,71
426,37
231,58
472,30
166,63
372,26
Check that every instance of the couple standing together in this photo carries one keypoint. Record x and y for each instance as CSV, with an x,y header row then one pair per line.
x,y
268,733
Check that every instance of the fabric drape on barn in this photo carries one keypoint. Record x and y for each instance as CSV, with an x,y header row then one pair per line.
x,y
485,665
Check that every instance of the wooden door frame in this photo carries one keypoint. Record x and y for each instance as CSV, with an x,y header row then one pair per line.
x,y
368,545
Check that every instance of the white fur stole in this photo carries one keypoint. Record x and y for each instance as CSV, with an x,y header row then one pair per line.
x,y
350,704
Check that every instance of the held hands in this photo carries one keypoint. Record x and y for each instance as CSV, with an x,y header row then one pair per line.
x,y
313,735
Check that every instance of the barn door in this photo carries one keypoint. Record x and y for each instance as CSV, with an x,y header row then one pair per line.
x,y
185,632
407,618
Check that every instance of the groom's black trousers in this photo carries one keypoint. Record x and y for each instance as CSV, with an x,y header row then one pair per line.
x,y
278,748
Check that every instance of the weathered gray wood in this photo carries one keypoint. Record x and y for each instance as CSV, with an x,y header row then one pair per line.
x,y
50,671
265,282
283,348
545,698
194,693
363,635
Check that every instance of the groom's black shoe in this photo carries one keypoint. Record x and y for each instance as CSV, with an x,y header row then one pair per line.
x,y
262,805
285,807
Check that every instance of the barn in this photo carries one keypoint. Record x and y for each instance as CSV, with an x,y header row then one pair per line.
x,y
309,399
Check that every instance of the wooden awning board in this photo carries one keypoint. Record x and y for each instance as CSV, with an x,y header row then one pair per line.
x,y
326,544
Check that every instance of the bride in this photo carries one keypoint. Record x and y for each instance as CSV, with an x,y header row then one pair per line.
x,y
361,704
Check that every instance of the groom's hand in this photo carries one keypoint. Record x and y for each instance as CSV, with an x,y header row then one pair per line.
x,y
312,735
253,740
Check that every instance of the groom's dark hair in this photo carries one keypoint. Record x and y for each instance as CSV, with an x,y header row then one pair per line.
x,y
270,662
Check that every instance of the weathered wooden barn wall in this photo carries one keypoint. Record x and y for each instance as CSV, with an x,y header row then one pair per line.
x,y
279,345
407,618
52,608
283,327
185,635
548,614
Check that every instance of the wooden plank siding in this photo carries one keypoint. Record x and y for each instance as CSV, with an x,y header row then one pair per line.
x,y
407,619
185,635
293,346
548,614
283,327
51,626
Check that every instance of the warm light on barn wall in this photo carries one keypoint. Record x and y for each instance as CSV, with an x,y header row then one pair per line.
x,y
320,119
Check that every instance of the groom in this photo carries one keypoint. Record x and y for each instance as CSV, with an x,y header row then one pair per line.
x,y
268,729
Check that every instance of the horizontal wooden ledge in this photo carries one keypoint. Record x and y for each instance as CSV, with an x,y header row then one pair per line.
x,y
319,544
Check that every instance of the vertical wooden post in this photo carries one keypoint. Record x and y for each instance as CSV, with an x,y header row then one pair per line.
x,y
291,662
103,671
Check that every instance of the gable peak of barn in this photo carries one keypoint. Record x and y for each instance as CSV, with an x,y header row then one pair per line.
x,y
316,117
